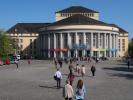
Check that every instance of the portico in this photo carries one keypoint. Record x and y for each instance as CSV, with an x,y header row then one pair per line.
x,y
80,43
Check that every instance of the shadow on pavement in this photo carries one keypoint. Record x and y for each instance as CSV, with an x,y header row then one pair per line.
x,y
127,76
123,64
78,75
125,69
50,87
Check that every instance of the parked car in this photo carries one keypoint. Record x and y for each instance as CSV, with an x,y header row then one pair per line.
x,y
7,62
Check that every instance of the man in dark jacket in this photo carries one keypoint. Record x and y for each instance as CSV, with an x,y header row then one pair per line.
x,y
93,69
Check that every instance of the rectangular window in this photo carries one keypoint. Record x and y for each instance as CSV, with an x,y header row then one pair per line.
x,y
119,42
21,40
123,44
30,40
21,47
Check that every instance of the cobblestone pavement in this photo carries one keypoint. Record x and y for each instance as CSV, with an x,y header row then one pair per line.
x,y
113,81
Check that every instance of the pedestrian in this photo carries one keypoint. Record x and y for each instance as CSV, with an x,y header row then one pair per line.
x,y
80,90
82,70
71,78
77,61
55,61
70,68
78,69
68,91
16,62
60,62
128,64
29,61
71,61
93,69
58,77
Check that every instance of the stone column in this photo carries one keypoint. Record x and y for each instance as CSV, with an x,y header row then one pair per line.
x,y
98,44
69,44
117,45
110,45
91,44
113,44
61,45
54,45
77,43
48,45
84,41
105,44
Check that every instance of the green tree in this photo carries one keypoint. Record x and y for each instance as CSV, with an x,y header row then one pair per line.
x,y
5,44
130,48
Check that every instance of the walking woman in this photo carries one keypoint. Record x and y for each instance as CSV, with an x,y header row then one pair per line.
x,y
68,91
80,90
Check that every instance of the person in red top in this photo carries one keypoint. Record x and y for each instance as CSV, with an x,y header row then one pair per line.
x,y
71,77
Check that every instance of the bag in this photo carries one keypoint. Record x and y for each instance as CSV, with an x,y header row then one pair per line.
x,y
79,92
55,77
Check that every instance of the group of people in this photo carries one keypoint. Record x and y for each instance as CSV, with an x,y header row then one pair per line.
x,y
68,92
57,62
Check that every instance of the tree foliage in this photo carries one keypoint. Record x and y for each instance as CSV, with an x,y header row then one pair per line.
x,y
5,44
130,48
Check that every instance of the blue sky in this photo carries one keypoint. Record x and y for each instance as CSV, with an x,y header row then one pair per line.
x,y
111,11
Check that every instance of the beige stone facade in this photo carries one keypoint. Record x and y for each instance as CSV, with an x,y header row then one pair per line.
x,y
123,45
60,16
27,44
75,25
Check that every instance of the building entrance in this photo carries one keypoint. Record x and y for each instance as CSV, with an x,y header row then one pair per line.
x,y
72,53
80,53
88,53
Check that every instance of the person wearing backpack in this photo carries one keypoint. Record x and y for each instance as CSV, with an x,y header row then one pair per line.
x,y
58,77
80,90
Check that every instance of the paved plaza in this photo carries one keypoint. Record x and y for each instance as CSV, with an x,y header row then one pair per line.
x,y
113,81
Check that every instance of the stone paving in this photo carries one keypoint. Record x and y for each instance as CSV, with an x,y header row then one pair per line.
x,y
113,81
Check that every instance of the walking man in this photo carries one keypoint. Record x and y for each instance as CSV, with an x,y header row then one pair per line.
x,y
58,78
93,69
70,68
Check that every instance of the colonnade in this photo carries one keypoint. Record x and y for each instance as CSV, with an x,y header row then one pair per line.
x,y
95,44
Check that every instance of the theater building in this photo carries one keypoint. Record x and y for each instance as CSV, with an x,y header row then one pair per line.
x,y
78,32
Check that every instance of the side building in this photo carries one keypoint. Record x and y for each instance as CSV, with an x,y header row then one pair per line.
x,y
26,36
